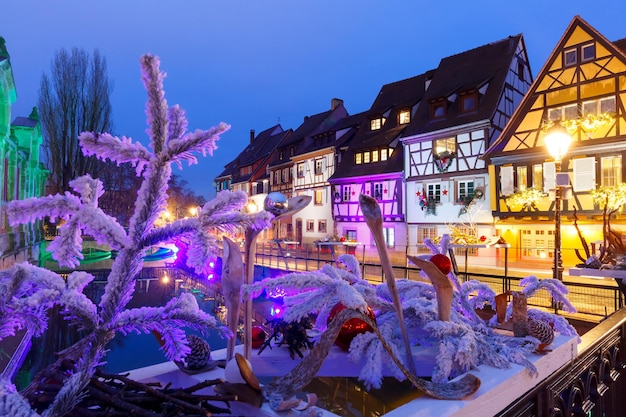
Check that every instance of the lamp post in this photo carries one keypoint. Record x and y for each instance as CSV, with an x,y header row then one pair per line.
x,y
557,140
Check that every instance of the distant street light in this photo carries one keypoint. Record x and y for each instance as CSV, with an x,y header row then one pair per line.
x,y
557,141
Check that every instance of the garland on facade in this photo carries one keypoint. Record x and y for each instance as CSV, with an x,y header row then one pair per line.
x,y
611,197
587,123
443,160
527,198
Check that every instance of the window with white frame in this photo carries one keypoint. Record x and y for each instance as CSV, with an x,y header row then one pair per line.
x,y
310,225
300,169
588,52
570,57
319,166
404,117
599,106
611,170
276,177
444,145
358,158
383,154
378,191
347,192
366,157
423,233
433,191
319,195
375,155
465,191
377,124
285,175
568,112
321,226
390,237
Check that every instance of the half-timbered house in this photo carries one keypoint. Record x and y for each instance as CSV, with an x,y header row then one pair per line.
x,y
305,161
469,99
582,85
249,171
373,164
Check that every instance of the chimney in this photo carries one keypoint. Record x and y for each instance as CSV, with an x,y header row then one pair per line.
x,y
251,135
335,102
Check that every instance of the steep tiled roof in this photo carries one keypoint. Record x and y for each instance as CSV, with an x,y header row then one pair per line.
x,y
259,148
529,99
347,168
302,138
393,97
462,73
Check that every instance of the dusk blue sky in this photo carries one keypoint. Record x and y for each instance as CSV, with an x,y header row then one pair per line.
x,y
253,64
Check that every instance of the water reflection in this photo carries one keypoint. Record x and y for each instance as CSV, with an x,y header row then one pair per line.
x,y
125,352
345,397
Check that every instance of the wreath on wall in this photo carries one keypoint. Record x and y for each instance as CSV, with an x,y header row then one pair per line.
x,y
443,160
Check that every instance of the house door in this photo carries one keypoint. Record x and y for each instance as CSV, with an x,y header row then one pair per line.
x,y
299,230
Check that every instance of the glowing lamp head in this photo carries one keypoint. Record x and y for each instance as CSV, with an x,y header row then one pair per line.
x,y
557,141
165,279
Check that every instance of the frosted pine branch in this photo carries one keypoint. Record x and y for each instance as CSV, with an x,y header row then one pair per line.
x,y
35,208
177,123
119,150
203,141
156,107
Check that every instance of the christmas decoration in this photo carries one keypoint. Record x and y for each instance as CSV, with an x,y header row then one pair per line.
x,y
443,160
351,328
258,336
199,356
442,262
527,198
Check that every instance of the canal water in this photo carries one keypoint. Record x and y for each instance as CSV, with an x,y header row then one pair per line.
x,y
342,396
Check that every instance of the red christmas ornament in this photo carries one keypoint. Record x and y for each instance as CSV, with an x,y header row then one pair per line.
x,y
258,337
350,328
442,262
343,239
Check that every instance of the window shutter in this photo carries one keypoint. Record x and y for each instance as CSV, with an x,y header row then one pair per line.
x,y
506,180
584,174
549,176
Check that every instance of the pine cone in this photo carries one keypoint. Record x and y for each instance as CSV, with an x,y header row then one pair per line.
x,y
200,354
541,330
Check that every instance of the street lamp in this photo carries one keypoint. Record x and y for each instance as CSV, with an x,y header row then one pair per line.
x,y
557,141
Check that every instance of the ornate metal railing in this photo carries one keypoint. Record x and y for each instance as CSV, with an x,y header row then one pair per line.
x,y
593,384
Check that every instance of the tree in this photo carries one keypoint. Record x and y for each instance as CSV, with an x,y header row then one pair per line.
x,y
181,199
72,100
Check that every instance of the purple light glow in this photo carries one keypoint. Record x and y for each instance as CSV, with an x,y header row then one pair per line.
x,y
276,311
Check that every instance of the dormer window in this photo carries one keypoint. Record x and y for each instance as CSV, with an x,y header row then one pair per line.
x,y
438,109
404,117
468,102
377,124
